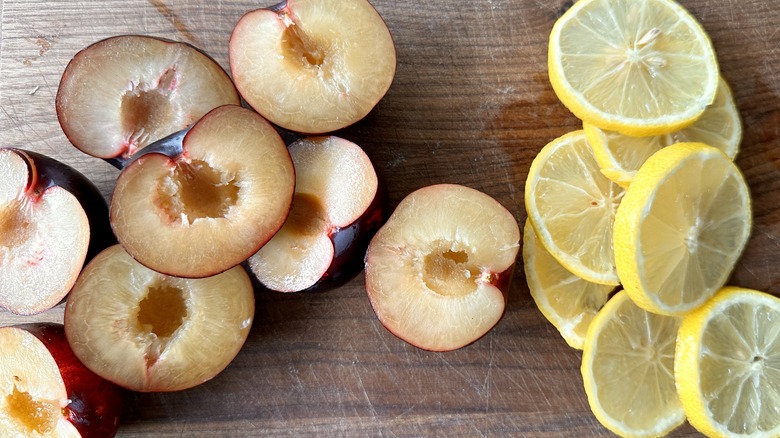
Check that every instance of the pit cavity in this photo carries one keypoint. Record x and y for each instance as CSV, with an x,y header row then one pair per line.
x,y
307,215
447,272
34,416
16,226
195,190
147,111
162,311
299,47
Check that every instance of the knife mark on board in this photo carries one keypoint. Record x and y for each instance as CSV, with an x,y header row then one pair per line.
x,y
176,21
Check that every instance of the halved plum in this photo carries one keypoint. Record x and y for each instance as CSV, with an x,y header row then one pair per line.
x,y
151,332
338,205
120,94
210,205
437,273
313,66
52,220
47,391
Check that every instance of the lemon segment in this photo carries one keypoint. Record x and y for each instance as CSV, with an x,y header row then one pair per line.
x,y
620,156
681,227
727,365
571,205
568,302
628,370
639,67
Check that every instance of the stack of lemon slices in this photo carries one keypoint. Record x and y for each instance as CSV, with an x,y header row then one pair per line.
x,y
647,197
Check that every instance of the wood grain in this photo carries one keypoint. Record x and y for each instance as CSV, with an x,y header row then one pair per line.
x,y
470,104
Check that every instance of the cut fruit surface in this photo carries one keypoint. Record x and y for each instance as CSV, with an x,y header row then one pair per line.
x,y
681,227
628,369
637,67
213,205
147,331
727,365
335,187
620,156
438,270
567,301
44,236
33,397
572,208
313,66
93,406
122,93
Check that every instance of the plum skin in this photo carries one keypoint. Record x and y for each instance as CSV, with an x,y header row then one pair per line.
x,y
351,242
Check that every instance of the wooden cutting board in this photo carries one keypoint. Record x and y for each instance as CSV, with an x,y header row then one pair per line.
x,y
470,104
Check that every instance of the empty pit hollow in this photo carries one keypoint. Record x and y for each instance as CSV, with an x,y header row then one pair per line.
x,y
195,190
448,273
32,415
162,311
301,48
147,111
307,215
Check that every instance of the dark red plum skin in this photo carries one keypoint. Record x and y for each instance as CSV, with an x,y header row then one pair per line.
x,y
350,243
95,404
50,173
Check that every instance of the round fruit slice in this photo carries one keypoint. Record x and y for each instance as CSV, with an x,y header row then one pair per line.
x,y
437,272
639,67
313,66
620,156
727,365
628,369
122,93
682,225
572,207
567,301
151,332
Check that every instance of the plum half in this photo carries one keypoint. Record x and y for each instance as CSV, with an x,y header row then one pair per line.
x,y
120,94
52,220
338,205
151,332
313,66
46,391
208,206
438,272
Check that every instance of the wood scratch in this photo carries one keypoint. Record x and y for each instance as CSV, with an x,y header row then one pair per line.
x,y
178,24
365,393
488,381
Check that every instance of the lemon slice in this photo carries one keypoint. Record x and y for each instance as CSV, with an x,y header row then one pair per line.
x,y
682,225
727,365
640,67
620,156
567,301
572,208
628,369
